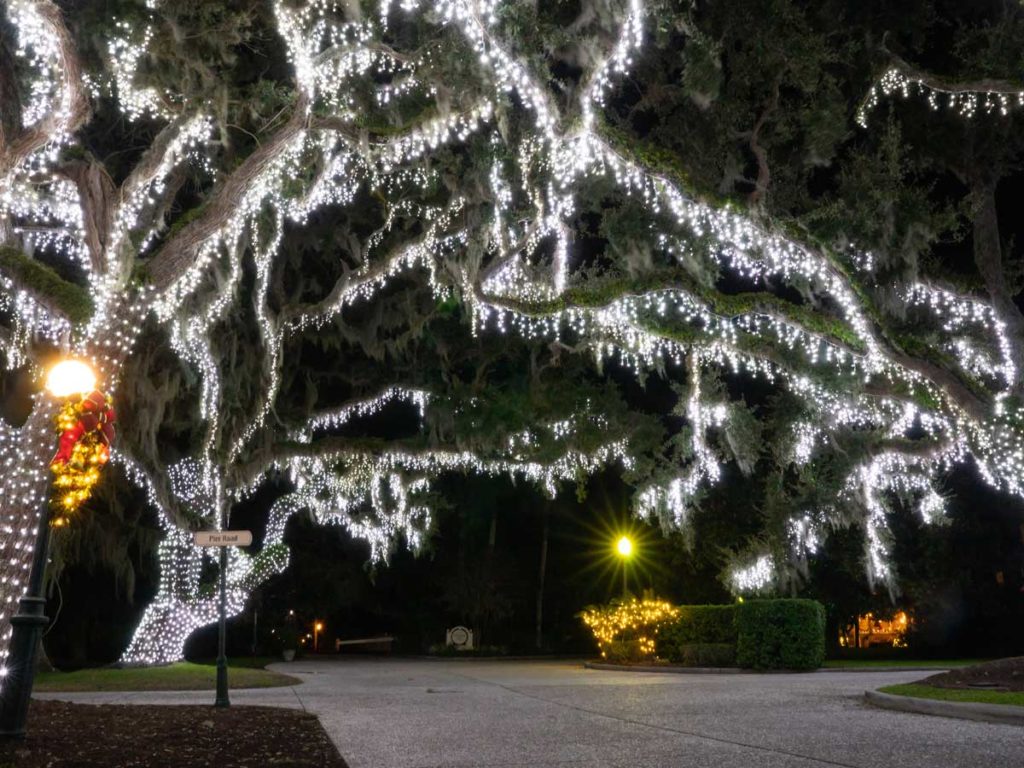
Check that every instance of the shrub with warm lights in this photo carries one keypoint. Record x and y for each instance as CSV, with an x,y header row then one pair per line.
x,y
627,629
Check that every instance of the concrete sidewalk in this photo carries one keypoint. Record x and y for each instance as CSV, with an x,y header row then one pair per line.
x,y
427,714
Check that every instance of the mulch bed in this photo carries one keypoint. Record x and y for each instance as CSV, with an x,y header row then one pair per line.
x,y
63,735
1002,674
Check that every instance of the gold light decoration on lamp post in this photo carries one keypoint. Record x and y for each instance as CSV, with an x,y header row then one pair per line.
x,y
86,426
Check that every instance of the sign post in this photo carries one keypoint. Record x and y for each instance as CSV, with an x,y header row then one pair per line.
x,y
223,539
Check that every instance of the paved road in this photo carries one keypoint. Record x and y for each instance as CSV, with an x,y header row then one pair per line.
x,y
457,714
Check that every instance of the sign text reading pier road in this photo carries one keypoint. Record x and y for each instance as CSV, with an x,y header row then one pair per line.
x,y
223,538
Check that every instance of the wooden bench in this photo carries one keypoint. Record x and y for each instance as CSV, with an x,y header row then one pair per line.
x,y
365,645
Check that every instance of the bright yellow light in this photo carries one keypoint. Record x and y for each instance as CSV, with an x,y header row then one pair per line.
x,y
319,626
624,546
70,377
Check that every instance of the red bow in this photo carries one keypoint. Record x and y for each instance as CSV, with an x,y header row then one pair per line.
x,y
95,414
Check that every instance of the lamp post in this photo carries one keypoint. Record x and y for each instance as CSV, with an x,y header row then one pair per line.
x,y
222,699
317,629
66,378
624,547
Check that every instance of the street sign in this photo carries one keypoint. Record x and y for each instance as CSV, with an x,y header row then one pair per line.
x,y
223,538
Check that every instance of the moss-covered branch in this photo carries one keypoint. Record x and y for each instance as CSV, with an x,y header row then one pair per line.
x,y
603,293
45,286
958,386
950,84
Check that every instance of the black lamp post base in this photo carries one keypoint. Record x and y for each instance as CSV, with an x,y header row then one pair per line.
x,y
28,625
222,656
222,699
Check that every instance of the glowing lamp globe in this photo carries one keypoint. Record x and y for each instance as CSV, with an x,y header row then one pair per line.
x,y
70,377
624,546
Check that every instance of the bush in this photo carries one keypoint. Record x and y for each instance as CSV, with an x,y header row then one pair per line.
x,y
697,625
707,624
624,652
780,634
705,655
628,621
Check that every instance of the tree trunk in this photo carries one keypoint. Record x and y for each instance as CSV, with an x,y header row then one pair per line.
x,y
539,640
43,663
483,625
24,474
988,258
165,626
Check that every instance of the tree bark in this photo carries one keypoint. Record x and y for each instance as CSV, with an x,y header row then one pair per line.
x,y
988,257
546,513
43,663
493,535
25,473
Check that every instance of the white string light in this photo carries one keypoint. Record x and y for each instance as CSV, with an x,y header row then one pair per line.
x,y
965,102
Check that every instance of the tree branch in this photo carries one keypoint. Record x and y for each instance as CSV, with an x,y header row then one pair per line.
x,y
179,253
156,160
760,153
951,385
748,304
951,85
96,193
72,106
831,330
10,92
49,290
988,257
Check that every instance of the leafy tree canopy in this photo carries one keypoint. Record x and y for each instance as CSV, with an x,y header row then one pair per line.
x,y
350,247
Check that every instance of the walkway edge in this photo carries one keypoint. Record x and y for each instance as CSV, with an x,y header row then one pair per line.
x,y
1002,714
933,670
657,668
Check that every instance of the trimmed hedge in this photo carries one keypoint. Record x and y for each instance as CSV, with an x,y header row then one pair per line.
x,y
757,634
705,655
698,625
706,624
780,634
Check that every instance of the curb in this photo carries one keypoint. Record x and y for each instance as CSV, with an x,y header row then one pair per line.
x,y
664,669
934,670
471,657
1003,714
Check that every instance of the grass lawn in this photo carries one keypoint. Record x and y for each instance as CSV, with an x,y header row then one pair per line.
x,y
928,663
183,676
954,694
